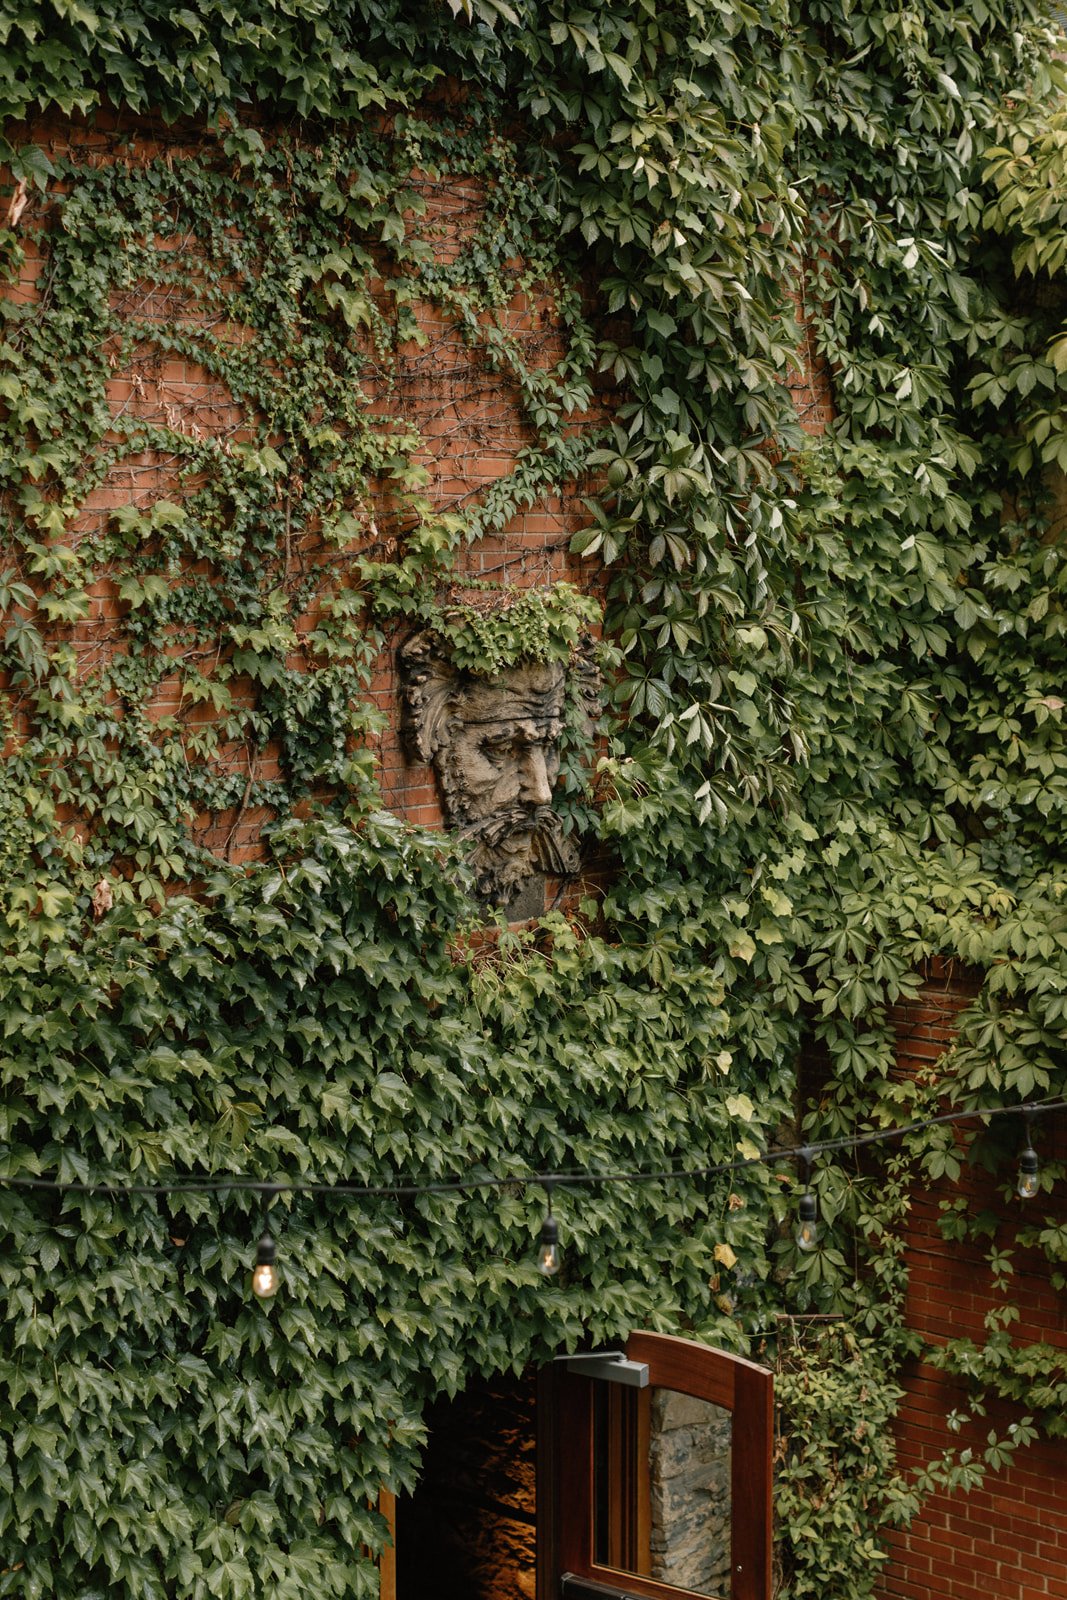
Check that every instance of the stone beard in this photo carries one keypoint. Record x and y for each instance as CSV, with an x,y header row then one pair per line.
x,y
494,747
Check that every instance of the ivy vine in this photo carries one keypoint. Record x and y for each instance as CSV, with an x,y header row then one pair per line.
x,y
836,750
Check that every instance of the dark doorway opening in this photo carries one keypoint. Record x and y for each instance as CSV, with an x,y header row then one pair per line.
x,y
469,1531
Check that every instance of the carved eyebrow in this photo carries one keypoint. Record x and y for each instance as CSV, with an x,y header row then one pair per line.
x,y
520,736
530,711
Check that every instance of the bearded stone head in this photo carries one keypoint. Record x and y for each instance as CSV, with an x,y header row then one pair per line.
x,y
494,746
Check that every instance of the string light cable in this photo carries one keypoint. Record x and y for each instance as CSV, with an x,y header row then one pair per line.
x,y
266,1272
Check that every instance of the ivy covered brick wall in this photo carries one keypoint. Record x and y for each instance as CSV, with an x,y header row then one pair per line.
x,y
991,1319
318,322
232,607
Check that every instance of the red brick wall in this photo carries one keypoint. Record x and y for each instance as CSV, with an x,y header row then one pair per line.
x,y
1007,1540
812,384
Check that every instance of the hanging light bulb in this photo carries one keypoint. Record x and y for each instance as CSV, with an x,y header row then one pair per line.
x,y
806,1232
1028,1182
548,1258
807,1228
265,1276
548,1251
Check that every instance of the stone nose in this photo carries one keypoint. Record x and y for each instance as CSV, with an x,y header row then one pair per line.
x,y
535,785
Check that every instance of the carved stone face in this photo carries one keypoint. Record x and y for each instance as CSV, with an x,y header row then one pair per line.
x,y
504,748
494,746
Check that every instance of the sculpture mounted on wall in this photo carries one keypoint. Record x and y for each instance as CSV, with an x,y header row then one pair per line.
x,y
494,746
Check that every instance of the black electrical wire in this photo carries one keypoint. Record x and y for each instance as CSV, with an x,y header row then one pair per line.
x,y
572,1179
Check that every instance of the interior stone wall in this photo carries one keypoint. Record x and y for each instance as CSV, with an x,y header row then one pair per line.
x,y
469,1530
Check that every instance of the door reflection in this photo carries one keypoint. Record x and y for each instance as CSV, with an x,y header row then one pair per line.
x,y
661,1487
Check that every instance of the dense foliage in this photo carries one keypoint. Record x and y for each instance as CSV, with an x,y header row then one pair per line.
x,y
836,753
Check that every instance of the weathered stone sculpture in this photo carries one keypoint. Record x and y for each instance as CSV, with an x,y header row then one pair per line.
x,y
494,747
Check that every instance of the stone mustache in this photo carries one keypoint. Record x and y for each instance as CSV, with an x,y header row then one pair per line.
x,y
494,746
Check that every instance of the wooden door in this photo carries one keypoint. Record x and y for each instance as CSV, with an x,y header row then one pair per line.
x,y
595,1525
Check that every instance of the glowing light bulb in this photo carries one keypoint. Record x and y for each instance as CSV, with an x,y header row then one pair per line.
x,y
807,1229
265,1275
1028,1182
548,1258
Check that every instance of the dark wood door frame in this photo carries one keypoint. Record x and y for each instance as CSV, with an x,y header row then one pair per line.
x,y
565,1468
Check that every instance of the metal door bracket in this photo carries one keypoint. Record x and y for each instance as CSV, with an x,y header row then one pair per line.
x,y
611,1365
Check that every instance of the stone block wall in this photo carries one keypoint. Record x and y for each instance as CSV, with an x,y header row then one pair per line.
x,y
469,1530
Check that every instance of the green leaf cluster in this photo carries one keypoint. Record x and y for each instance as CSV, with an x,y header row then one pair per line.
x,y
178,1437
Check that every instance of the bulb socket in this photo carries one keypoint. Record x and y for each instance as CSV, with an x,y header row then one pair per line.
x,y
266,1250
